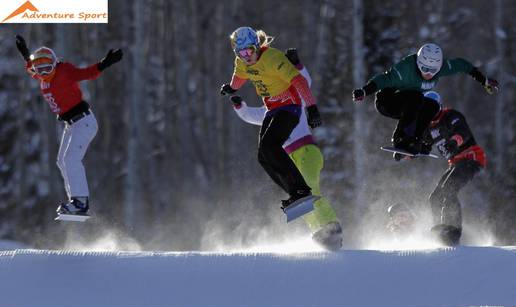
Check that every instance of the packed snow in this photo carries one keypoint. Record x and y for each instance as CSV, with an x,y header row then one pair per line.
x,y
462,276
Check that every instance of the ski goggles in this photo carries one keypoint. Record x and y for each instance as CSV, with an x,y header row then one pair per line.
x,y
246,53
428,70
45,69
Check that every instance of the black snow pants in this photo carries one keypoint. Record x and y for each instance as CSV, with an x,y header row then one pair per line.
x,y
413,111
446,208
275,131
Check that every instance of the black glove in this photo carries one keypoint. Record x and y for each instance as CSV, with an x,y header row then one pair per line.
x,y
22,47
226,89
237,101
426,148
491,86
292,56
451,148
358,95
314,118
111,58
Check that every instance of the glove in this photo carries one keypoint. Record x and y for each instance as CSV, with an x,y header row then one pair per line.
x,y
111,58
491,86
358,95
226,89
22,47
292,56
237,101
314,118
426,148
451,148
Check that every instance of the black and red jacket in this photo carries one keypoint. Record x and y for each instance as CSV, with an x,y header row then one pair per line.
x,y
450,133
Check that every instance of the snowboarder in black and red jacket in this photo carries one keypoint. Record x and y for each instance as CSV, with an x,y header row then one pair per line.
x,y
452,137
399,92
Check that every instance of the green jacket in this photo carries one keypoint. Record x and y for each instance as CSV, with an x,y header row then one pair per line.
x,y
405,74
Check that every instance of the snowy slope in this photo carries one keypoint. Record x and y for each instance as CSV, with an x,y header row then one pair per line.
x,y
464,276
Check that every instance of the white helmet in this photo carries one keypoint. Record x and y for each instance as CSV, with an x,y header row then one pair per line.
x,y
429,58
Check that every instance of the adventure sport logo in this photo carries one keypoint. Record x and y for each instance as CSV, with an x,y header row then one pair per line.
x,y
27,6
54,11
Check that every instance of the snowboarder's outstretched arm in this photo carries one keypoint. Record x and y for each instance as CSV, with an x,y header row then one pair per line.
x,y
459,65
93,71
112,57
390,78
250,115
490,85
21,45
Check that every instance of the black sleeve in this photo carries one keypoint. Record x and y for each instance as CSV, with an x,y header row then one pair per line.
x,y
457,124
477,75
370,88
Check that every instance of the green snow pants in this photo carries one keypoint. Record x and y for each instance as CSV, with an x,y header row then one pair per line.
x,y
309,160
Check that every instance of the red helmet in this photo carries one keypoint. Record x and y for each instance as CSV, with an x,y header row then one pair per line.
x,y
43,61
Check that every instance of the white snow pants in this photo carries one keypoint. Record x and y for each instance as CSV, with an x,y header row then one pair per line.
x,y
74,143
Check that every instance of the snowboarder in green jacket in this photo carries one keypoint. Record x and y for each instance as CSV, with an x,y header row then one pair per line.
x,y
400,92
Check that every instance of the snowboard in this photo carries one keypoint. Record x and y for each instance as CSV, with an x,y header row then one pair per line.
x,y
406,153
300,207
72,217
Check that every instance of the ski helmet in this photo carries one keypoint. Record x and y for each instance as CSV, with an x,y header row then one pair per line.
x,y
434,96
430,58
244,37
43,61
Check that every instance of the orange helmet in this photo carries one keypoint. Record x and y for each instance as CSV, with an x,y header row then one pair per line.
x,y
43,61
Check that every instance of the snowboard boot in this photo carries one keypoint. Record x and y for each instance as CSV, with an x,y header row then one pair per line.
x,y
329,236
296,197
397,156
75,206
447,234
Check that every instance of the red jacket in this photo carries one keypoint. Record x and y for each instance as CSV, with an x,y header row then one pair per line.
x,y
63,92
451,126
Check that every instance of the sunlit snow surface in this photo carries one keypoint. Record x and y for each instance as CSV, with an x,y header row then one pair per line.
x,y
293,246
292,273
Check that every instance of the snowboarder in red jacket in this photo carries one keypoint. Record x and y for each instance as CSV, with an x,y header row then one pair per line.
x,y
450,134
59,84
